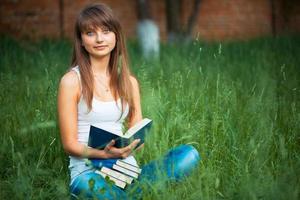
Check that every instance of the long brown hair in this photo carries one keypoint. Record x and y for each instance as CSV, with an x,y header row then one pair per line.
x,y
91,17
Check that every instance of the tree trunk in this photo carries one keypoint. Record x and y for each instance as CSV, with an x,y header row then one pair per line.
x,y
143,10
193,19
173,19
174,26
273,17
147,31
61,18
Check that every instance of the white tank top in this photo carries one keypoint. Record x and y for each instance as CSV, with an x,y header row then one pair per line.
x,y
105,115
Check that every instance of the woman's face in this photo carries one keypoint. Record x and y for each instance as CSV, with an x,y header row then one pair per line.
x,y
99,42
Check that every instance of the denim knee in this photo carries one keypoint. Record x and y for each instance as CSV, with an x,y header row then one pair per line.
x,y
92,185
181,160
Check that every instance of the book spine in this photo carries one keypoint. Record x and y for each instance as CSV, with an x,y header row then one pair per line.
x,y
129,163
129,166
117,175
125,171
117,182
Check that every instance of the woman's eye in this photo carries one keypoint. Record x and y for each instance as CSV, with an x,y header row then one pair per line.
x,y
105,31
89,33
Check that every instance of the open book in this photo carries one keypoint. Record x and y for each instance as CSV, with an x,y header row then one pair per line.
x,y
99,138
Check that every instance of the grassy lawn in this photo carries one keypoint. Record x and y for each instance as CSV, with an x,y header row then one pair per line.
x,y
238,103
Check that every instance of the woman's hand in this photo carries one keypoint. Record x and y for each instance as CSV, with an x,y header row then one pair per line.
x,y
114,152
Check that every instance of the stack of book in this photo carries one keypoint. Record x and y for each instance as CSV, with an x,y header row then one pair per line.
x,y
122,173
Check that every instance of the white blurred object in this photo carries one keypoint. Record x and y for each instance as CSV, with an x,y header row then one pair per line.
x,y
148,36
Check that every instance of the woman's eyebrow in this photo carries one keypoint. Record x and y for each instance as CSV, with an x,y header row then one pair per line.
x,y
94,28
87,29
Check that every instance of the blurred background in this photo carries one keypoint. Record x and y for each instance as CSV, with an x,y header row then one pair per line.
x,y
203,19
221,75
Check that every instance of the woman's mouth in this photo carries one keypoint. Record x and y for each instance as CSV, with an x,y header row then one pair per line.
x,y
100,47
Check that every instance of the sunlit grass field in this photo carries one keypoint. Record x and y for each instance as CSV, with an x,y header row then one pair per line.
x,y
238,103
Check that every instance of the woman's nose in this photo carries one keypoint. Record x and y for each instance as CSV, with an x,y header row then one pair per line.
x,y
99,37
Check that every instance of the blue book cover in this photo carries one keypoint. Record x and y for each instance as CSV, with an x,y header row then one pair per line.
x,y
99,138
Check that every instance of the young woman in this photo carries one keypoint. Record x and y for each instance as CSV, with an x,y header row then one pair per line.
x,y
99,90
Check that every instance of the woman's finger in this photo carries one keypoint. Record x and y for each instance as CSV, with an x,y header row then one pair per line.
x,y
110,145
129,148
140,147
134,144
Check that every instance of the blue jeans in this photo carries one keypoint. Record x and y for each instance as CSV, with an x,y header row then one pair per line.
x,y
174,166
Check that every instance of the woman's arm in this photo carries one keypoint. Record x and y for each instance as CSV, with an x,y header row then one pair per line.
x,y
68,97
137,115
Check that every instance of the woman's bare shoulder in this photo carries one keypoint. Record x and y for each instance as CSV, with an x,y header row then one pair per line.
x,y
134,81
69,83
69,79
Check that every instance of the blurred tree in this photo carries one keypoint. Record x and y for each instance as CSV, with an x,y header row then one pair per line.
x,y
282,12
61,18
174,13
147,31
273,17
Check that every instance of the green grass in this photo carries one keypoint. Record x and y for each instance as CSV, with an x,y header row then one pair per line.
x,y
238,103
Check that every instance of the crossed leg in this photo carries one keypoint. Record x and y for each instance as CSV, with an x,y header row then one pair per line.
x,y
174,166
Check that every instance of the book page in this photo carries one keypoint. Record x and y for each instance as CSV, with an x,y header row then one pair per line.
x,y
136,128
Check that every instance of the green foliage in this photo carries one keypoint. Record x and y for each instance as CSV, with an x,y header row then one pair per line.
x,y
237,103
